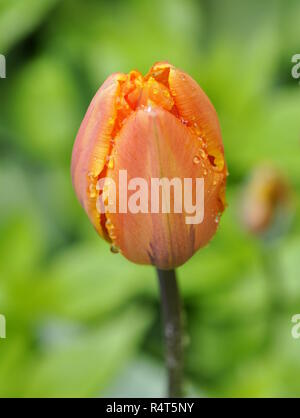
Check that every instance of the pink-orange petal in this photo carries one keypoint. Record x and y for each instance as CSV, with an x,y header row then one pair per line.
x,y
92,145
155,144
195,107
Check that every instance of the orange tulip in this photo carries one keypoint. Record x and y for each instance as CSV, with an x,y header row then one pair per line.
x,y
158,126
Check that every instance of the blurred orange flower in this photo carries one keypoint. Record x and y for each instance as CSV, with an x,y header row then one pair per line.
x,y
266,202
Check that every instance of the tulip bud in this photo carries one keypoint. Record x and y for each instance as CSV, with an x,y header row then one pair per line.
x,y
151,129
266,202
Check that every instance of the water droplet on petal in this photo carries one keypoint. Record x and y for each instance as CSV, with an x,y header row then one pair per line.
x,y
114,249
92,191
90,175
196,159
202,153
217,219
196,129
110,162
184,121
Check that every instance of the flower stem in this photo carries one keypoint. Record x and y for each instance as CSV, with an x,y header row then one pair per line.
x,y
172,323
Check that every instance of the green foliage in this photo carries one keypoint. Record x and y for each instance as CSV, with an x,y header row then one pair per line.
x,y
20,17
82,321
45,114
70,369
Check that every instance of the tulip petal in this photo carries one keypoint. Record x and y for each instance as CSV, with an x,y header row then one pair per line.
x,y
155,144
92,146
195,107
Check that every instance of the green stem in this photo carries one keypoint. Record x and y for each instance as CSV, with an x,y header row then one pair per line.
x,y
172,323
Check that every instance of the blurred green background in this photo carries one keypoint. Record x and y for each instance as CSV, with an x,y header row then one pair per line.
x,y
84,322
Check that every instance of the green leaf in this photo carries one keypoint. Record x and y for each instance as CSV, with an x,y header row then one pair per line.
x,y
84,366
20,17
88,281
45,109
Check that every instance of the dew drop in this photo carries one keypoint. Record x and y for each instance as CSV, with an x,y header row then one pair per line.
x,y
92,191
217,219
196,128
110,161
205,172
196,159
184,121
202,143
114,249
90,175
109,226
202,153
